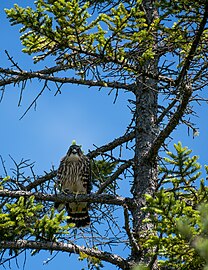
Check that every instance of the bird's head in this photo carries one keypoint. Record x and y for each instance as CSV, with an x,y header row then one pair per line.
x,y
74,151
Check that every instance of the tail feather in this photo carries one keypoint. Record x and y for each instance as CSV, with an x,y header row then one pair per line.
x,y
80,218
77,213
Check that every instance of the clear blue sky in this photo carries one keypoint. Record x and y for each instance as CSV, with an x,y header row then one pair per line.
x,y
80,113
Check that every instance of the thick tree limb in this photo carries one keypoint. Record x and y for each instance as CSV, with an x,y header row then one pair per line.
x,y
67,247
96,198
16,76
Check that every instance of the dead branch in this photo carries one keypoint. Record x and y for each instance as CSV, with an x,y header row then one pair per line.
x,y
69,248
132,239
15,76
112,145
194,46
40,180
115,175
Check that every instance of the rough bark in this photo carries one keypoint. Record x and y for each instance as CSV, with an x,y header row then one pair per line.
x,y
93,197
145,170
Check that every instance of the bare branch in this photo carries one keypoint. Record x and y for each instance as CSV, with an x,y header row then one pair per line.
x,y
12,61
132,239
166,110
194,46
67,247
3,165
115,175
172,123
41,180
18,76
110,146
35,100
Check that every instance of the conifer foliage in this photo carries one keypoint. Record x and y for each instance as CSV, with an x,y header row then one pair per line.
x,y
147,211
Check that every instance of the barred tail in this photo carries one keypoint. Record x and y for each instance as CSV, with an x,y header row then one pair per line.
x,y
78,214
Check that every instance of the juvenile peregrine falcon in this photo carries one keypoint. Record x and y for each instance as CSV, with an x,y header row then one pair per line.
x,y
74,175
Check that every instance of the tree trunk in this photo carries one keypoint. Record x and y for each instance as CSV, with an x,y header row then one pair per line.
x,y
145,170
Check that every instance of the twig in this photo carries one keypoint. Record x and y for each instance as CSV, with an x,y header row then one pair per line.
x,y
34,101
13,63
21,92
4,168
3,261
2,93
132,240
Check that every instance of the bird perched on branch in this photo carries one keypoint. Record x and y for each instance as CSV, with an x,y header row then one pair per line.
x,y
74,176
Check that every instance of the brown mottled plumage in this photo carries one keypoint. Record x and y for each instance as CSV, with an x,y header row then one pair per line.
x,y
74,175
